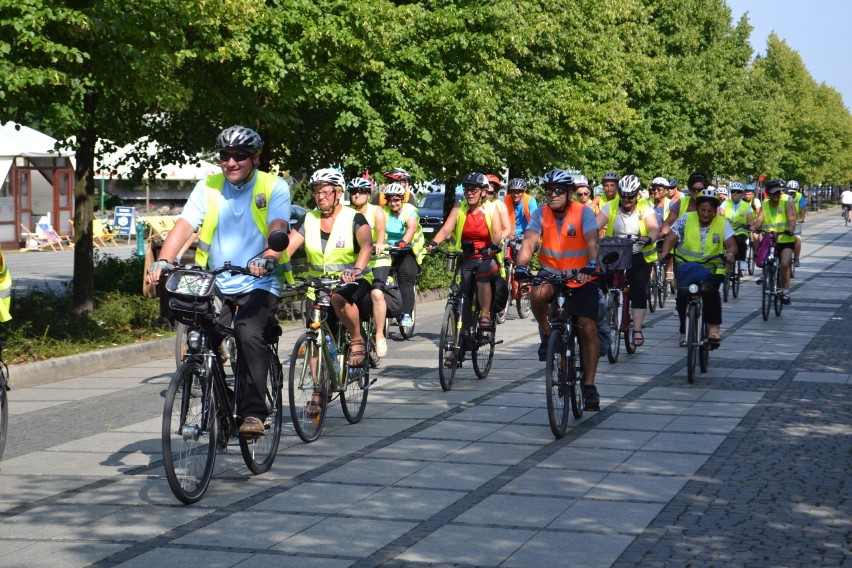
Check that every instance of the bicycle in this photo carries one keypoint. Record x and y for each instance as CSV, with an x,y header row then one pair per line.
x,y
407,332
519,292
4,399
697,340
731,283
771,291
228,348
749,255
618,294
460,330
319,365
200,412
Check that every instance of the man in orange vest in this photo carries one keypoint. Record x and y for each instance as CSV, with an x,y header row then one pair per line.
x,y
569,241
520,205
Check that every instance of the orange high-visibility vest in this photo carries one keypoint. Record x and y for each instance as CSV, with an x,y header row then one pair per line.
x,y
564,249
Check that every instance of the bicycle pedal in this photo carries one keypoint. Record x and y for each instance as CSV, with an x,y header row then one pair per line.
x,y
498,341
370,384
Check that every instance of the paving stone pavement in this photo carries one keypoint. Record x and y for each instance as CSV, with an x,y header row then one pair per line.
x,y
749,466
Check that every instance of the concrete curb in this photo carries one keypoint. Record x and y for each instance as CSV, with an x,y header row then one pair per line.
x,y
52,370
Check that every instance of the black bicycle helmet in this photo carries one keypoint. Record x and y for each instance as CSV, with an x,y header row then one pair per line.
x,y
239,138
695,178
475,178
774,186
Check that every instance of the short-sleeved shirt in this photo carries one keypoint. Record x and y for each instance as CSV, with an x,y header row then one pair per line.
x,y
628,225
679,227
521,222
237,239
395,227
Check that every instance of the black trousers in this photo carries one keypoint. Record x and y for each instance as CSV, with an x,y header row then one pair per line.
x,y
250,313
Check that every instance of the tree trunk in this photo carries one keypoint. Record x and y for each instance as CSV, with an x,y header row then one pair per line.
x,y
84,190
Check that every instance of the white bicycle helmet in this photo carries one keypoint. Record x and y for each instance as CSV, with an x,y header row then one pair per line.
x,y
328,176
581,181
736,186
661,181
793,184
360,183
629,185
394,189
722,191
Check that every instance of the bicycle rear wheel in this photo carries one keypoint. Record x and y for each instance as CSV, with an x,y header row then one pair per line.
x,y
483,352
750,259
407,331
449,347
691,341
703,346
726,284
4,418
189,433
735,281
652,290
766,299
556,383
353,397
259,451
614,318
308,385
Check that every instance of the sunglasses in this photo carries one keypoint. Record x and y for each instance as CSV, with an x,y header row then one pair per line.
x,y
237,156
556,191
628,197
490,192
583,193
359,192
471,188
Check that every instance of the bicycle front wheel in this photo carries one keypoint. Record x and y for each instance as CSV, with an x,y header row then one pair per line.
x,y
703,346
524,306
766,299
189,433
4,418
779,306
652,290
575,376
449,348
726,284
691,341
483,352
750,260
259,451
662,288
556,383
308,384
614,317
735,280
353,396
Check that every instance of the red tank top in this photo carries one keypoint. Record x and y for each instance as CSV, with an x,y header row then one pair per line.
x,y
476,229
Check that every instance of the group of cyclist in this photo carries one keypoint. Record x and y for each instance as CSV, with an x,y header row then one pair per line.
x,y
233,213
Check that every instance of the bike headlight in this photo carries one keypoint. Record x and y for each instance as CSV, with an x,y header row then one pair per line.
x,y
561,301
193,339
693,288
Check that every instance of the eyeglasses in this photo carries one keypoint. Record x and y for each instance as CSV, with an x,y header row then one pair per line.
x,y
471,188
359,192
583,194
628,197
237,156
323,193
394,199
696,188
517,190
556,191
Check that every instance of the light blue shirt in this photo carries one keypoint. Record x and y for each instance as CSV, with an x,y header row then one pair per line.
x,y
236,238
520,219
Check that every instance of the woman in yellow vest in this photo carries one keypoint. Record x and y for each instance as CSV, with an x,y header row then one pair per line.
x,y
338,241
359,198
472,226
778,214
703,234
403,229
738,212
627,218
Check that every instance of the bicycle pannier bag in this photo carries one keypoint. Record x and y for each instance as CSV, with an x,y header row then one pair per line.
x,y
692,273
763,251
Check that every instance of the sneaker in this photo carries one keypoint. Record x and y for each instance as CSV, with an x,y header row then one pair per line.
x,y
759,280
542,350
591,398
406,320
785,298
252,426
796,263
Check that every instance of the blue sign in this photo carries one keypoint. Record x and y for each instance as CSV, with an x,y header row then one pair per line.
x,y
125,222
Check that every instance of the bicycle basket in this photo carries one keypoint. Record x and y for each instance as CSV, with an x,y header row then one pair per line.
x,y
193,296
624,248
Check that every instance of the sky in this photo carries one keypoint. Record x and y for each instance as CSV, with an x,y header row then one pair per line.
x,y
819,30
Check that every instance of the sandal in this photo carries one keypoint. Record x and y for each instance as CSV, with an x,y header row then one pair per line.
x,y
669,276
638,341
715,340
485,323
312,409
357,353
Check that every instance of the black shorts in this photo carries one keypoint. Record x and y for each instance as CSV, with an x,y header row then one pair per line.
x,y
584,301
847,206
354,293
781,246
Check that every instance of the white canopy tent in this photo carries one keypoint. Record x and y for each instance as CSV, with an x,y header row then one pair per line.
x,y
118,165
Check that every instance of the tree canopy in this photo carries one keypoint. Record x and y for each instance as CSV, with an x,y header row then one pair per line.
x,y
439,87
